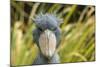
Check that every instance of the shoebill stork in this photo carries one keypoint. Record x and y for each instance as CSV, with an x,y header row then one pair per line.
x,y
47,37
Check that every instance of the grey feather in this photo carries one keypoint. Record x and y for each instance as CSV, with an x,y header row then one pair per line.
x,y
52,23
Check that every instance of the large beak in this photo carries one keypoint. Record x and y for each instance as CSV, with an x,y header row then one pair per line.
x,y
47,43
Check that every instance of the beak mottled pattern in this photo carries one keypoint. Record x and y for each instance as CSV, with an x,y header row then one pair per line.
x,y
47,43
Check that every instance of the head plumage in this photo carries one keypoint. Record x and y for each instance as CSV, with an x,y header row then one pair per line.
x,y
42,20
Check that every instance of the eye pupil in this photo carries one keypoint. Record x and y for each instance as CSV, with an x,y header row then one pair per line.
x,y
40,29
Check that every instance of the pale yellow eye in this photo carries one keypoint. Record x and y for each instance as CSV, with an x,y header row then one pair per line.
x,y
53,29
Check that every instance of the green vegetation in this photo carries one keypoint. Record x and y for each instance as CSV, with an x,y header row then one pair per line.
x,y
78,31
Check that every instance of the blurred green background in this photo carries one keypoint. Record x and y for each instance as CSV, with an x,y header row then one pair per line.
x,y
78,31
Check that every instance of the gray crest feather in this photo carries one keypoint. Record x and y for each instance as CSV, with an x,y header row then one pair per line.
x,y
43,19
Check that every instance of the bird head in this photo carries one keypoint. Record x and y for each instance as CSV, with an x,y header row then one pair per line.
x,y
48,25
